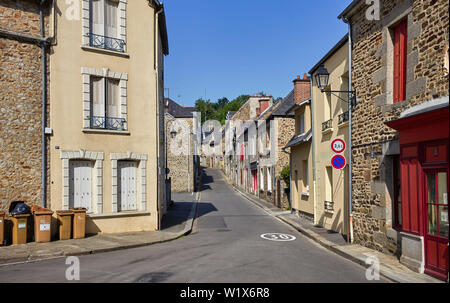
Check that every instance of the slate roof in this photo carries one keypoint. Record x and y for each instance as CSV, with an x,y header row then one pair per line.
x,y
230,115
177,110
285,106
296,140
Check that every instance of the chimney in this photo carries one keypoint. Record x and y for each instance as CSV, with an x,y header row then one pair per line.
x,y
263,105
302,90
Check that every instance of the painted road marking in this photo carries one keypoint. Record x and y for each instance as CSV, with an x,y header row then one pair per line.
x,y
278,237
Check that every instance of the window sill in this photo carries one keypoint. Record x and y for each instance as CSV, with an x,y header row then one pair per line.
x,y
327,131
105,131
119,214
305,194
104,51
343,124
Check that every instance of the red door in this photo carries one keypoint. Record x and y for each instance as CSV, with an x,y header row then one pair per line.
x,y
437,224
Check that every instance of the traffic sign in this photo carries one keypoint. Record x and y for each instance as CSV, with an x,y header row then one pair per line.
x,y
338,146
338,161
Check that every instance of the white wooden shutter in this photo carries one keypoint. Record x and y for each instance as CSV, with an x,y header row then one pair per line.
x,y
132,186
112,102
127,185
98,17
111,18
98,99
80,184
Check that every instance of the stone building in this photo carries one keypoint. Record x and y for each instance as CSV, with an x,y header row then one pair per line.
x,y
398,71
181,161
233,162
22,83
272,158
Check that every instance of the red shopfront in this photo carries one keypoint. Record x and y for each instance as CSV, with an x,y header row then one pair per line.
x,y
424,172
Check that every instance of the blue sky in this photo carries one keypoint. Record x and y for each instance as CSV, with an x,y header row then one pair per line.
x,y
236,47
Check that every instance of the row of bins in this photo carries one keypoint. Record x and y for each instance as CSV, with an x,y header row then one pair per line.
x,y
24,220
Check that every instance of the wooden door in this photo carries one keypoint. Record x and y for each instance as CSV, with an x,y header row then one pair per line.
x,y
437,224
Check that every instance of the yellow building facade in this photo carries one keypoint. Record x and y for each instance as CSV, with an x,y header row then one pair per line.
x,y
106,113
330,118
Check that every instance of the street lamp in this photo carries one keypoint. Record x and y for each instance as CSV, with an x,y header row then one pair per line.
x,y
173,133
322,78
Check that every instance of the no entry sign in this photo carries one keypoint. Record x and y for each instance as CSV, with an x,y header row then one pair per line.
x,y
338,146
338,162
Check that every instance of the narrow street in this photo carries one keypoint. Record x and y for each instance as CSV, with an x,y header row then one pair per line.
x,y
225,246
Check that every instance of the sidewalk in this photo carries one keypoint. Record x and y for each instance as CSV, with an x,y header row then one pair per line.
x,y
390,266
176,222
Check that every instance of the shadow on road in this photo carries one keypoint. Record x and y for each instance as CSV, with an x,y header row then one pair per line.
x,y
179,212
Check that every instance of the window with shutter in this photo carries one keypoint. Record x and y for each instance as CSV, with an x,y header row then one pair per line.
x,y
80,184
104,25
111,18
97,17
105,103
112,99
400,47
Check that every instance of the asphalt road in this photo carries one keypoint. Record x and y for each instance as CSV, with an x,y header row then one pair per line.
x,y
225,246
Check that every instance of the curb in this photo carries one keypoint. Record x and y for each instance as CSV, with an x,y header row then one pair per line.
x,y
386,273
172,236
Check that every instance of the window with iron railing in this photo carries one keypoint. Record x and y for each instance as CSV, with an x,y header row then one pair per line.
x,y
343,118
327,125
104,25
105,104
328,206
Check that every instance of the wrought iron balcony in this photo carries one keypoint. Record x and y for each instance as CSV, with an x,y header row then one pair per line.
x,y
106,42
343,118
327,125
107,123
328,206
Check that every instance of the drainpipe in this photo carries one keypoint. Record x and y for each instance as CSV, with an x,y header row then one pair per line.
x,y
44,105
350,129
158,10
313,151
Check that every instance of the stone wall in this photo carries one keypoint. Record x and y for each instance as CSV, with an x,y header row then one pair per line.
x,y
181,165
372,78
20,105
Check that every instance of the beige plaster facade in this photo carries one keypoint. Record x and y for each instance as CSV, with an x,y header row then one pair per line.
x,y
138,70
329,116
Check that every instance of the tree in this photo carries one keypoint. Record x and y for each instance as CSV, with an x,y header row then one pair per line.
x,y
219,110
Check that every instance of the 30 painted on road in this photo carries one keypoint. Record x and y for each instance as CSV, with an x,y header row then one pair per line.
x,y
278,237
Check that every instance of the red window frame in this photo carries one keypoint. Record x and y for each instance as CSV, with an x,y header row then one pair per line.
x,y
400,48
397,224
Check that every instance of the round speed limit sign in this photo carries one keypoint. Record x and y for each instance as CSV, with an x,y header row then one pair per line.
x,y
338,146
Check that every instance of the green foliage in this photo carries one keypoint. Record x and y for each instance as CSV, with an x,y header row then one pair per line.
x,y
219,110
285,174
